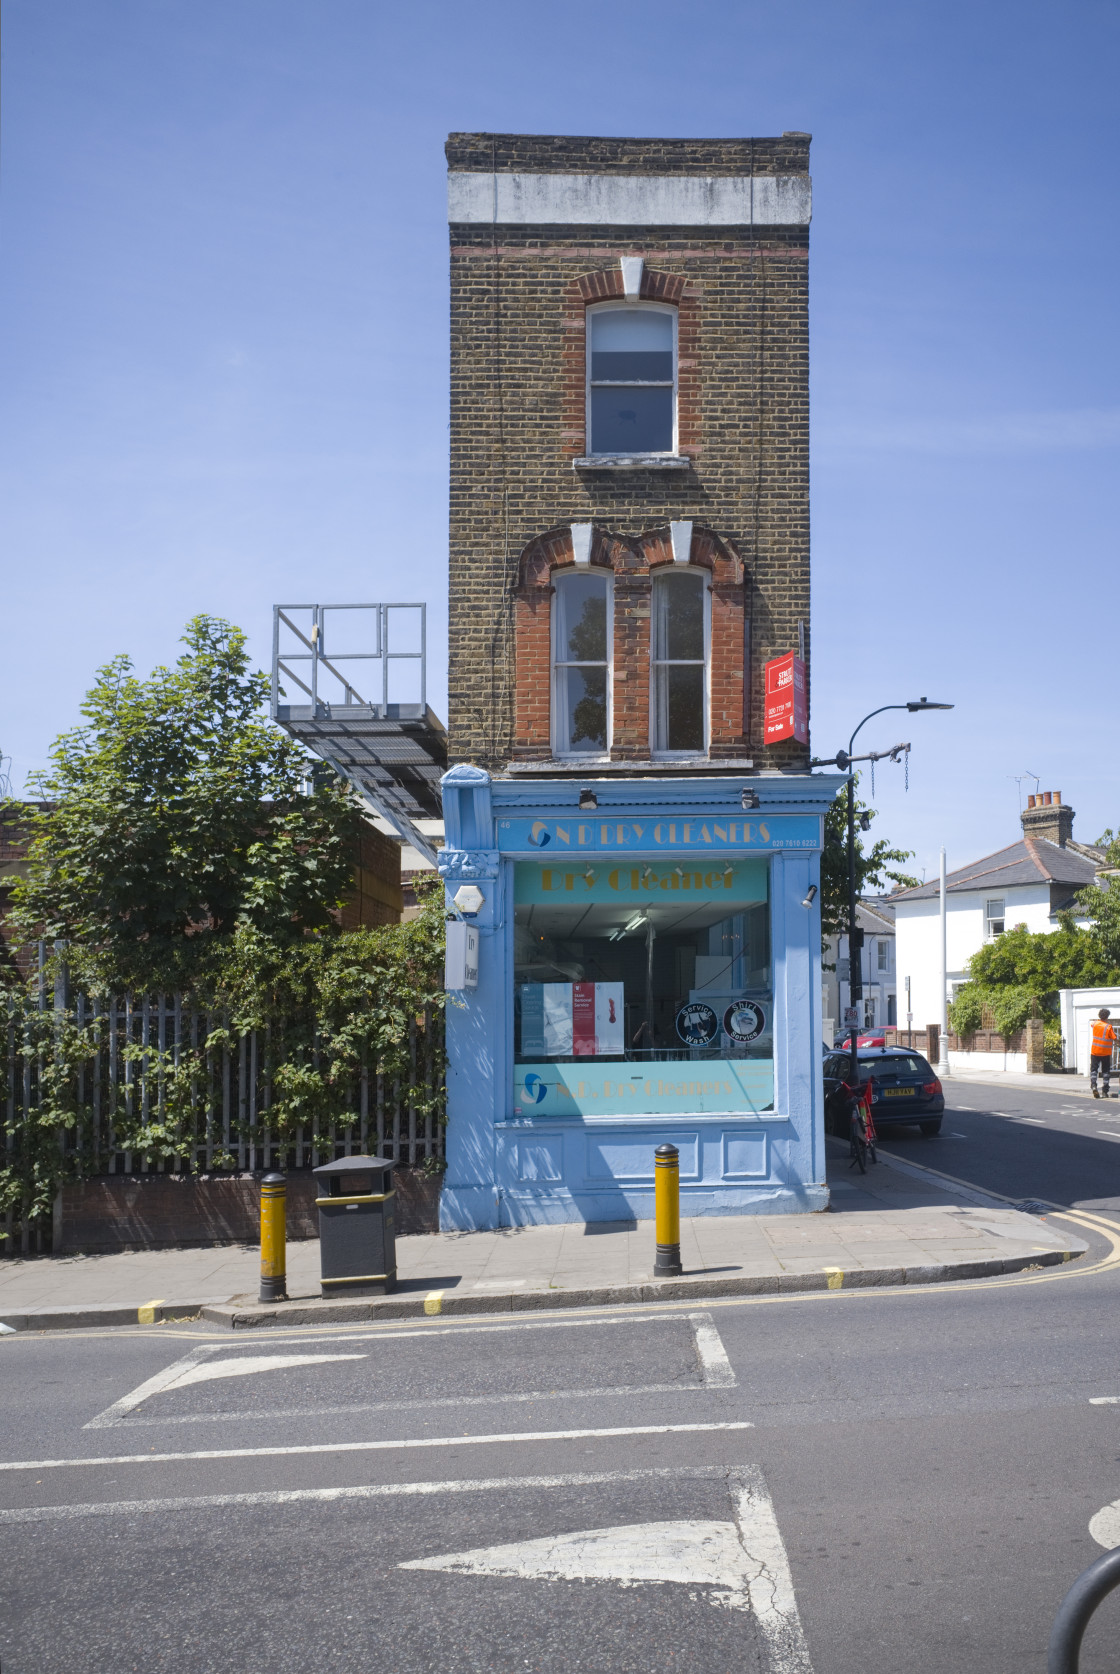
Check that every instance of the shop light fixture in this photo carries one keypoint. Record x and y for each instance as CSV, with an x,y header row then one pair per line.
x,y
587,800
750,798
810,896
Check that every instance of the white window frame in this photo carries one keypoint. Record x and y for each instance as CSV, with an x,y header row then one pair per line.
x,y
558,710
667,576
991,918
631,307
883,953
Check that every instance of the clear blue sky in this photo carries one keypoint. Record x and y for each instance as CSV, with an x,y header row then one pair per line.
x,y
223,338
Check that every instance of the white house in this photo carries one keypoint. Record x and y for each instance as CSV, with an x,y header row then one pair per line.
x,y
879,1005
1029,883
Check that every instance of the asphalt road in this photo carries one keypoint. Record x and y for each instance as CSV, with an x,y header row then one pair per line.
x,y
837,1482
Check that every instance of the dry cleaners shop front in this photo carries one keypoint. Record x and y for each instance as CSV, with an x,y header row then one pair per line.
x,y
646,968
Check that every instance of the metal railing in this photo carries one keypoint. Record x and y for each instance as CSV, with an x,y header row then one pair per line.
x,y
126,1086
318,656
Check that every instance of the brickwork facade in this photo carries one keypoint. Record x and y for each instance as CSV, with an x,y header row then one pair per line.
x,y
519,300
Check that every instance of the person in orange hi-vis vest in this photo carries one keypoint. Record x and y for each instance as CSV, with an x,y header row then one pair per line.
x,y
1102,1037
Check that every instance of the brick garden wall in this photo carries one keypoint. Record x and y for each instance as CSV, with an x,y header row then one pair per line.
x,y
518,304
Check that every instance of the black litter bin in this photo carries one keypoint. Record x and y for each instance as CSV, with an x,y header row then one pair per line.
x,y
357,1233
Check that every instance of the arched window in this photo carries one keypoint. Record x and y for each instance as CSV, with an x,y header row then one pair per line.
x,y
581,664
679,696
631,378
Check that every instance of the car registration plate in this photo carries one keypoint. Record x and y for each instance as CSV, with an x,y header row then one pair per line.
x,y
898,1092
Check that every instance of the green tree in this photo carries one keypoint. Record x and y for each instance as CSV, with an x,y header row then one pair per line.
x,y
875,865
180,816
1018,976
1102,905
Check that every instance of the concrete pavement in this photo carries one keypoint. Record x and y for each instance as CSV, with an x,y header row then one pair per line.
x,y
890,1227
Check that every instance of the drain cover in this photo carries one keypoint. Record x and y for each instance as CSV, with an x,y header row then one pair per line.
x,y
1031,1206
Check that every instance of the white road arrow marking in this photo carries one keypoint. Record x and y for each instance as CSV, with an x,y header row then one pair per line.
x,y
241,1368
744,1562
695,1552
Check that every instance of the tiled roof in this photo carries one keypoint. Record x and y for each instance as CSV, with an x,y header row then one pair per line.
x,y
1033,860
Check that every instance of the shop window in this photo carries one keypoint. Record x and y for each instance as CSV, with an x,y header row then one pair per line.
x,y
994,918
581,662
631,379
642,987
679,706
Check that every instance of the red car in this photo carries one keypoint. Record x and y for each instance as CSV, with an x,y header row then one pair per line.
x,y
874,1037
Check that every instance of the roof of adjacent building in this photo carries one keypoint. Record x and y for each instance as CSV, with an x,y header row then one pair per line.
x,y
1033,860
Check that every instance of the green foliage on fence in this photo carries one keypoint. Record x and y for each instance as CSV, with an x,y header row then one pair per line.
x,y
187,848
323,1009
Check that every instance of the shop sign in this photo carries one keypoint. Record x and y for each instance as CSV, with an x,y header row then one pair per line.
x,y
786,711
697,1024
739,882
694,833
723,1086
461,956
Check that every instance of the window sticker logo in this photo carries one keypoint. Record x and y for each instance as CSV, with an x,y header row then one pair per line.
x,y
744,1021
534,1089
697,1024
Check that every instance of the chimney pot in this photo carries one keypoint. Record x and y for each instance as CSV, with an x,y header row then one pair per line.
x,y
1047,816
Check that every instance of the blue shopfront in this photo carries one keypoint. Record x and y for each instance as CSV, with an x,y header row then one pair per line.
x,y
648,970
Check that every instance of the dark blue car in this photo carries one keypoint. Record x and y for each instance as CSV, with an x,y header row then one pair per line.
x,y
904,1089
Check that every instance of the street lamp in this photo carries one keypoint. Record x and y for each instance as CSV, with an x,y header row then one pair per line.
x,y
845,760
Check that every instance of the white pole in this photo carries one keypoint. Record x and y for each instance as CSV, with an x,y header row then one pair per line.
x,y
943,1017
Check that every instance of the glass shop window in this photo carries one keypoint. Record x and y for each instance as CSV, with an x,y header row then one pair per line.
x,y
680,663
642,987
631,382
581,663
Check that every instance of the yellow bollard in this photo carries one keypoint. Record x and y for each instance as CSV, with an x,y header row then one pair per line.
x,y
667,1211
274,1238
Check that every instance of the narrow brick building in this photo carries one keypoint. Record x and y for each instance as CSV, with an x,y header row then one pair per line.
x,y
623,378
629,570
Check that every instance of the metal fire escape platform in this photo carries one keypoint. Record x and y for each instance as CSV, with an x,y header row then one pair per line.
x,y
389,745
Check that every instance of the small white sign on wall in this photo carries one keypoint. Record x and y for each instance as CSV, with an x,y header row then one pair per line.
x,y
461,961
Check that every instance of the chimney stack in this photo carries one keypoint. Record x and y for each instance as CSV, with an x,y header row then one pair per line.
x,y
1046,815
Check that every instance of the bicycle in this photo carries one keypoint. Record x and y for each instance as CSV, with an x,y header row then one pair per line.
x,y
861,1132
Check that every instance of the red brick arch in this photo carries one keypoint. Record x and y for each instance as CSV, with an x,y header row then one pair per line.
x,y
632,561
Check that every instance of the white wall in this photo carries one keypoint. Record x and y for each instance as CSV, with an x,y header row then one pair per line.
x,y
917,928
1078,1008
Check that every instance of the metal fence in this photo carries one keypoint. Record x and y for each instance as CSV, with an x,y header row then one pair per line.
x,y
134,1047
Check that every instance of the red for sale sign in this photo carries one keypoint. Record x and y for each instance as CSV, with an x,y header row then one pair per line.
x,y
785,700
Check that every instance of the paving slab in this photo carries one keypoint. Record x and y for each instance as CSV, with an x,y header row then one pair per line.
x,y
895,1225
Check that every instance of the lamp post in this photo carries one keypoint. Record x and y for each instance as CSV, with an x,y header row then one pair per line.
x,y
845,761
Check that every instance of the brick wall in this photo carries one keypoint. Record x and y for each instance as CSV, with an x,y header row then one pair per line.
x,y
518,303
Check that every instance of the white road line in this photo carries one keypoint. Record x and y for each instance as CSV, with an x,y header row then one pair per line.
x,y
714,1364
1107,1133
954,1135
1036,1121
622,1391
373,1491
119,1410
373,1446
1104,1400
